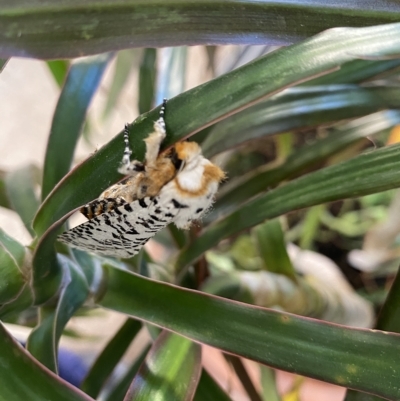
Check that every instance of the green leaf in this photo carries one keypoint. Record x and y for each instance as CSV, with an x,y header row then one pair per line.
x,y
180,237
361,359
172,359
22,377
388,320
310,225
299,108
299,161
357,396
75,29
43,340
4,201
117,393
20,303
272,248
59,69
209,390
17,251
3,63
268,383
216,99
147,77
12,281
20,187
109,357
389,316
47,272
81,83
15,290
89,265
356,71
368,173
228,286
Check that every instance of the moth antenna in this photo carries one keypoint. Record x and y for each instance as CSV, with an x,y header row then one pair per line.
x,y
161,120
126,158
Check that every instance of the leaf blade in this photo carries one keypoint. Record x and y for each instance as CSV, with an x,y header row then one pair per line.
x,y
356,355
74,28
172,359
81,83
24,378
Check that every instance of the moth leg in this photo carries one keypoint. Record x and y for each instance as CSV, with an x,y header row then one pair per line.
x,y
154,140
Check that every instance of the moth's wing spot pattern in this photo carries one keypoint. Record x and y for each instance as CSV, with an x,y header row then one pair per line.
x,y
100,206
121,232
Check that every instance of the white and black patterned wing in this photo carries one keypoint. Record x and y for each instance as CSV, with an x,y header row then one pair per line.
x,y
123,231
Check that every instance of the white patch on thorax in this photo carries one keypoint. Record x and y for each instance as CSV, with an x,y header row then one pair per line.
x,y
190,178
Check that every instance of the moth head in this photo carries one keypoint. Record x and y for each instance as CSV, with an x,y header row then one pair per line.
x,y
187,151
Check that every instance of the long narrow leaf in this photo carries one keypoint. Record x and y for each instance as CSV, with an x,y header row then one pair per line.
x,y
147,78
20,187
75,28
119,390
12,279
59,69
209,390
81,83
15,292
3,63
4,201
23,378
110,356
356,71
361,359
299,108
43,340
172,359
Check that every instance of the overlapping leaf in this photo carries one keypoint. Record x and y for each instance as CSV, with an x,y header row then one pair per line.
x,y
109,358
360,359
172,359
74,29
81,83
24,378
43,340
299,108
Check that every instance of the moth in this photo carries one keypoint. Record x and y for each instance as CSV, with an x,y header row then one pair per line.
x,y
176,186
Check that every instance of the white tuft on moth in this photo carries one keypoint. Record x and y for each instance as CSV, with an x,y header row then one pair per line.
x,y
175,186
